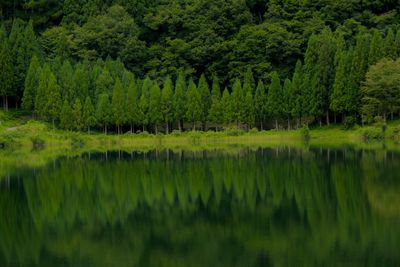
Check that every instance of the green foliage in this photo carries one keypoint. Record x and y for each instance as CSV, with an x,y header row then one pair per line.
x,y
31,84
66,116
118,104
167,98
275,97
194,105
77,115
88,114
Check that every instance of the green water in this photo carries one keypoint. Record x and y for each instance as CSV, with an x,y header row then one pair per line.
x,y
265,207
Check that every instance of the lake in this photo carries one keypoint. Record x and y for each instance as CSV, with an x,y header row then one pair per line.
x,y
232,207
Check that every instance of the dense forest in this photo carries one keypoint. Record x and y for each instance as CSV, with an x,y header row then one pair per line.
x,y
163,65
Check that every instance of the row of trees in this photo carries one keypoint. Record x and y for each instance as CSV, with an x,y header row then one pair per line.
x,y
329,84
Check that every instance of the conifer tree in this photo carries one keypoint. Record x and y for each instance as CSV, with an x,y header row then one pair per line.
x,y
167,101
260,103
287,104
66,116
81,82
215,115
248,110
375,49
67,84
396,44
88,114
155,111
104,83
53,99
118,105
103,111
227,107
6,74
389,45
144,102
41,93
249,83
31,84
274,99
77,115
237,99
132,105
298,94
194,107
180,100
205,97
338,96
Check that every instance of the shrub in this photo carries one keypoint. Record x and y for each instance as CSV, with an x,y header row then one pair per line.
x,y
305,133
372,133
37,142
194,137
176,133
253,131
349,122
233,132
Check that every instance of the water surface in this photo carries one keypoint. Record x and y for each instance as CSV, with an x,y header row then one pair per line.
x,y
264,207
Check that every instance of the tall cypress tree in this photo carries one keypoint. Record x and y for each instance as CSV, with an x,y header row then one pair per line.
x,y
104,83
155,113
205,97
53,99
66,116
144,102
31,84
118,105
194,107
41,93
287,103
77,115
375,50
248,117
215,115
260,102
274,99
338,96
66,78
180,100
298,94
237,99
227,107
132,105
6,74
389,45
167,107
81,82
249,83
103,111
88,114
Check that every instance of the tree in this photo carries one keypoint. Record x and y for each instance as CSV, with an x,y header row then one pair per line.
x,y
104,83
389,45
67,82
41,93
103,111
215,114
249,83
77,115
227,107
237,101
81,82
260,102
339,96
6,74
145,101
194,107
66,116
31,84
205,97
248,108
167,101
274,99
375,49
53,99
180,100
287,103
298,95
118,105
88,114
155,114
132,105
381,90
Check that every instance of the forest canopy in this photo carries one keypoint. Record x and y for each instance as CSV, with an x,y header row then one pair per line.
x,y
282,62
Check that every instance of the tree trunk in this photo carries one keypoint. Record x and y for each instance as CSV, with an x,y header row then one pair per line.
x,y
105,128
6,103
276,124
262,128
88,129
131,128
320,122
335,118
288,124
167,127
327,118
194,126
156,129
54,127
391,115
179,125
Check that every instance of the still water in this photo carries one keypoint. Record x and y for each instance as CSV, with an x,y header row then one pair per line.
x,y
241,207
